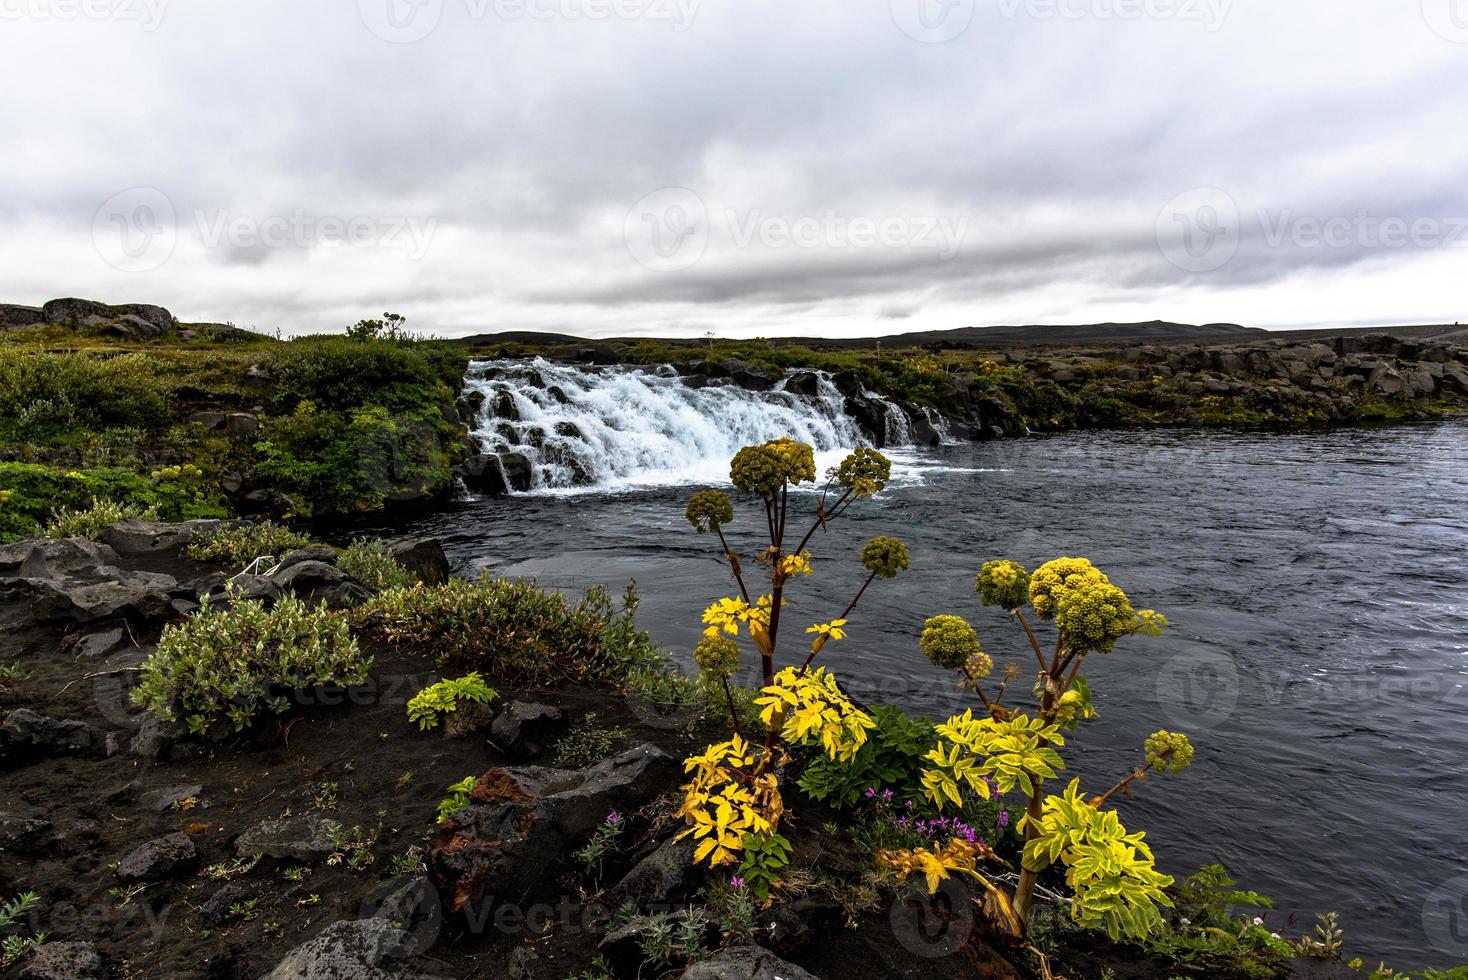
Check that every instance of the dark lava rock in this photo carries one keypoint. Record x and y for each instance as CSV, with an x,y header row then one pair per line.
x,y
424,557
518,472
523,822
157,859
215,911
503,406
745,963
21,830
76,579
96,645
660,882
241,425
482,473
410,903
523,728
153,740
803,383
922,430
316,582
70,312
848,383
292,838
753,379
366,949
139,537
12,315
63,961
871,415
25,728
316,552
159,800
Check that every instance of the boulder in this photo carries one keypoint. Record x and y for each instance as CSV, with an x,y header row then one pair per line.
x,y
12,316
323,553
365,949
142,593
922,430
24,729
411,903
97,645
848,383
72,312
503,406
524,728
518,471
241,425
215,911
134,536
523,822
53,557
127,327
871,416
303,838
157,859
664,880
482,473
155,316
753,379
317,582
745,963
803,383
424,557
63,961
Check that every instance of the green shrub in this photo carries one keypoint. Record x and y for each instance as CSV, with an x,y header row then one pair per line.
x,y
508,629
338,373
43,394
435,700
92,521
244,543
35,491
367,561
588,743
235,663
891,759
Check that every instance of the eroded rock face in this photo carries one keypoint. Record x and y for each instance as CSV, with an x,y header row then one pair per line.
x,y
139,537
76,579
63,961
303,838
523,822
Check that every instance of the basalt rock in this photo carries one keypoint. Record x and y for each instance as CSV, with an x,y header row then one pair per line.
x,y
63,961
157,859
523,822
523,728
424,557
138,537
302,838
364,949
745,963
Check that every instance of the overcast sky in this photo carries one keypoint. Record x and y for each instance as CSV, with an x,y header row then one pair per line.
x,y
754,168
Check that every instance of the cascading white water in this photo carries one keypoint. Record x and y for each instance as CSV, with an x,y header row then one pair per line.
x,y
614,427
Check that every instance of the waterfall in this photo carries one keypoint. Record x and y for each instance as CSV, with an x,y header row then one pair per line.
x,y
615,427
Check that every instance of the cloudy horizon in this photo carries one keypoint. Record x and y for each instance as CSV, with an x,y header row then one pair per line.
x,y
680,167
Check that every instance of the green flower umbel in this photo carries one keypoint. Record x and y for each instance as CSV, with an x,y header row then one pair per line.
x,y
709,510
765,469
950,642
865,472
1004,584
885,556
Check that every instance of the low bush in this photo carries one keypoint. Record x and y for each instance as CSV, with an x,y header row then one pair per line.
x,y
43,394
429,705
243,544
509,629
890,759
33,492
232,664
367,561
337,372
91,521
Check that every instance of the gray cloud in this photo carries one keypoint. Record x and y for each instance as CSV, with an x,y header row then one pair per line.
x,y
485,176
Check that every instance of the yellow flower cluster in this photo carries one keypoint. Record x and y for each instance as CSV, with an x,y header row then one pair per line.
x,y
1003,583
805,704
764,469
716,655
1093,616
950,642
970,752
1168,751
865,472
1054,580
723,801
709,510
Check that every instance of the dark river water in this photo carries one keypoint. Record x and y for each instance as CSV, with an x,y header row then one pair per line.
x,y
1318,594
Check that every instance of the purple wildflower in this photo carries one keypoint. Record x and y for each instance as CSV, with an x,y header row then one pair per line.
x,y
736,883
871,792
886,796
1003,818
613,817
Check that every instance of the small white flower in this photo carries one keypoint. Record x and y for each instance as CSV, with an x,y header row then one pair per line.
x,y
1258,921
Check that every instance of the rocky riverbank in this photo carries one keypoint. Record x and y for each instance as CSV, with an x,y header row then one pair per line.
x,y
316,843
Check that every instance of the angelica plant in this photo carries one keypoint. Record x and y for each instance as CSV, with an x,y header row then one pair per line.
x,y
732,799
1110,870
